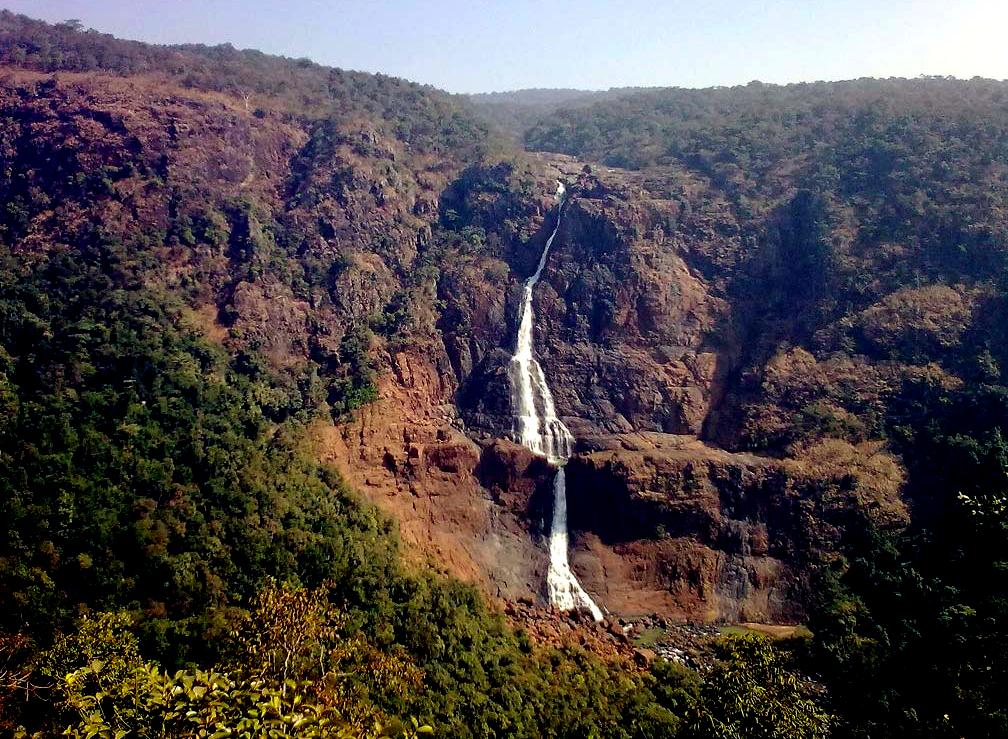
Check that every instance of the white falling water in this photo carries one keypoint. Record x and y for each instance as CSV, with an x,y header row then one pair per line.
x,y
539,429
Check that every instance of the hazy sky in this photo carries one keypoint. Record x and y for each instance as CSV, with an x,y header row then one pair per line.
x,y
477,45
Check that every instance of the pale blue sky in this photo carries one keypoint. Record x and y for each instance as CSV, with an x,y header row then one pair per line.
x,y
479,45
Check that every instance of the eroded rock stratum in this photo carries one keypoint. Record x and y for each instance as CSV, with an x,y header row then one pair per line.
x,y
637,334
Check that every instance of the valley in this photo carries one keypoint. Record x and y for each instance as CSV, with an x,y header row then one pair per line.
x,y
630,414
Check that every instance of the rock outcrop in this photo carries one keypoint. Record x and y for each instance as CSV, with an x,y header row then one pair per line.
x,y
711,534
631,316
461,508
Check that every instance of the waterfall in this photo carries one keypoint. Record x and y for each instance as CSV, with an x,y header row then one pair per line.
x,y
538,429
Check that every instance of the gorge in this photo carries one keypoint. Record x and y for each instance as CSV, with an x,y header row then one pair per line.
x,y
521,417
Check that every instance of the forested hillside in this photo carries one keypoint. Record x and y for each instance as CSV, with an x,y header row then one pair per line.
x,y
511,113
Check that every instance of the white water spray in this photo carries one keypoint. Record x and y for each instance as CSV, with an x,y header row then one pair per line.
x,y
539,429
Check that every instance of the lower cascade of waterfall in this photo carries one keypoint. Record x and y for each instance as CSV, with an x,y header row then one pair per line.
x,y
565,592
538,429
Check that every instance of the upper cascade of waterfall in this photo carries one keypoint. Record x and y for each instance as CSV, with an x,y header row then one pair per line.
x,y
539,429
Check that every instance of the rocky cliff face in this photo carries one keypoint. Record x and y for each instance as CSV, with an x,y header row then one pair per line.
x,y
624,319
625,313
634,328
462,507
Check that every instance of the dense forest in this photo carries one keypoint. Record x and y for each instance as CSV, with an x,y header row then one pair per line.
x,y
873,310
176,561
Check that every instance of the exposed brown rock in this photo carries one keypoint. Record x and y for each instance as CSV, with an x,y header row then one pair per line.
x,y
660,522
403,453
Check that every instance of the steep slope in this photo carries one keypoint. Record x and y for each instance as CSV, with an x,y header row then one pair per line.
x,y
273,233
868,223
198,287
634,320
316,251
235,287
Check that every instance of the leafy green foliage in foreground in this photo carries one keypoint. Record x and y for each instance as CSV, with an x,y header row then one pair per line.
x,y
282,679
309,683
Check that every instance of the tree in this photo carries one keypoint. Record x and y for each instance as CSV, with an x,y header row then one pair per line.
x,y
90,666
294,636
283,683
751,694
